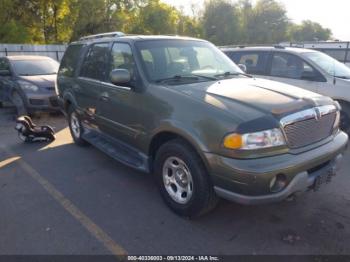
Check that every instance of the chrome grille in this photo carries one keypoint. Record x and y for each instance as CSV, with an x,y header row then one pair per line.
x,y
314,125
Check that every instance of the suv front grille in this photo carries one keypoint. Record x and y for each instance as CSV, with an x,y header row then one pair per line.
x,y
309,126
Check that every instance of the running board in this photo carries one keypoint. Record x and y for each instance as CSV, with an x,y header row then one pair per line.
x,y
117,150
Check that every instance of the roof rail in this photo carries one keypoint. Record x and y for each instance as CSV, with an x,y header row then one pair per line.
x,y
279,47
110,34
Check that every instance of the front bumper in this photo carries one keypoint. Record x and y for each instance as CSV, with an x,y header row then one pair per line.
x,y
42,102
248,181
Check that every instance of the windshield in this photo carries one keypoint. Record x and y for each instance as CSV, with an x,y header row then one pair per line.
x,y
35,67
178,59
329,64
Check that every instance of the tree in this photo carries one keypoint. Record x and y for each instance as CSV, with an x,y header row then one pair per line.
x,y
156,18
221,22
309,31
267,24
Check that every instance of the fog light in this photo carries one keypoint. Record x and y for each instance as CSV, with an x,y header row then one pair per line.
x,y
278,183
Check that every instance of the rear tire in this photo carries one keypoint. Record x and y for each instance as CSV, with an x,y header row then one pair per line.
x,y
183,180
75,127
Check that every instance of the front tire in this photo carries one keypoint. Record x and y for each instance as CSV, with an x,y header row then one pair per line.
x,y
75,127
183,180
18,102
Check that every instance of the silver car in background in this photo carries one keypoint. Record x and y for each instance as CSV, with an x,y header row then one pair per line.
x,y
305,68
28,82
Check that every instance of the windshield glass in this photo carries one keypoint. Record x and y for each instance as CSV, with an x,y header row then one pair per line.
x,y
35,67
200,60
329,64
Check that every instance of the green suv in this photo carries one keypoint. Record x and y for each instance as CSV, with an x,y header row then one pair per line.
x,y
179,108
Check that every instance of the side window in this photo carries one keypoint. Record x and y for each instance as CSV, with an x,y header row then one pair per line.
x,y
95,62
148,59
234,56
122,58
289,66
69,61
254,61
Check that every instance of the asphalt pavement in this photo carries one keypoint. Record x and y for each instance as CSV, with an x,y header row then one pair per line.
x,y
59,198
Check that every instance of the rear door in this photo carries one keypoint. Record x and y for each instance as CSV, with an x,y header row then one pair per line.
x,y
292,69
255,61
88,87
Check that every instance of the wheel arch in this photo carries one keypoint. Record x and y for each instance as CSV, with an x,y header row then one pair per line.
x,y
165,136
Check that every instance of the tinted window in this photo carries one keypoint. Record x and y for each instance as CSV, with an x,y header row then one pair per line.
x,y
122,58
35,67
95,62
254,61
289,66
69,61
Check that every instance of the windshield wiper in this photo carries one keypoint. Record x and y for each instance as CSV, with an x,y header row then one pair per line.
x,y
206,77
178,78
226,74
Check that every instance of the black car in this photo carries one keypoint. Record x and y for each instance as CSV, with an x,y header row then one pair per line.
x,y
29,83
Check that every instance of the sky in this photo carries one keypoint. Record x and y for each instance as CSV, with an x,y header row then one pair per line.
x,y
333,14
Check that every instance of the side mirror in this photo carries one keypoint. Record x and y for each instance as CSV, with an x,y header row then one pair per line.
x,y
308,75
5,73
120,76
243,67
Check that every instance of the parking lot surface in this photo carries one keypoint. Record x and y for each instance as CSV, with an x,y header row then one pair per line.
x,y
59,198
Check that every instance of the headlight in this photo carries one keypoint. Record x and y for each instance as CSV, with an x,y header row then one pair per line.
x,y
28,86
258,140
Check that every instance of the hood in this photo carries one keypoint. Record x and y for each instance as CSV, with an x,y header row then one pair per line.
x,y
250,98
47,81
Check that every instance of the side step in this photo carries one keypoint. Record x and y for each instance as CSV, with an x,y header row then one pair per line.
x,y
117,150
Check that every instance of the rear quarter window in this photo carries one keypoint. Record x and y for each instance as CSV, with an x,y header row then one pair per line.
x,y
70,61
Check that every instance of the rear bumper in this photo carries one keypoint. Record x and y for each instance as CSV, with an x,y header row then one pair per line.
x,y
248,181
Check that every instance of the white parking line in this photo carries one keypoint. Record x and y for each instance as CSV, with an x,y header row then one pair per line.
x,y
84,220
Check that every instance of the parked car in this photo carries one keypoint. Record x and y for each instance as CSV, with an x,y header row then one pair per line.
x,y
305,68
29,83
181,109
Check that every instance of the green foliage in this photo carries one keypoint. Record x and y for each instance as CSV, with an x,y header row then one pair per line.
x,y
309,31
222,21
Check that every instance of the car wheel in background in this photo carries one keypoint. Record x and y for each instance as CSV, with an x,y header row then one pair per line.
x,y
18,102
75,127
183,180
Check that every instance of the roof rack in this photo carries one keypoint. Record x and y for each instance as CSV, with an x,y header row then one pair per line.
x,y
110,34
279,47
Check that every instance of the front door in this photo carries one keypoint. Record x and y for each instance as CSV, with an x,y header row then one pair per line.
x,y
119,114
293,70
